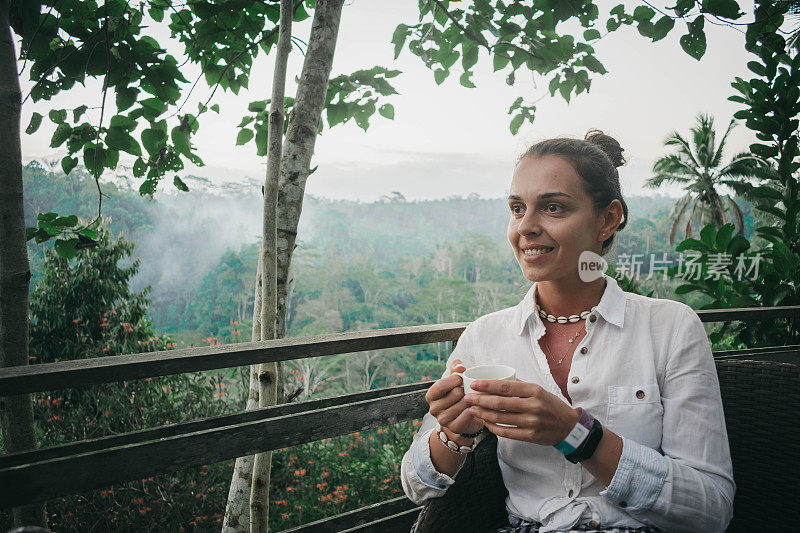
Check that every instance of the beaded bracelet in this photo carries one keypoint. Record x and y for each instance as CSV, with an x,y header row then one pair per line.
x,y
453,445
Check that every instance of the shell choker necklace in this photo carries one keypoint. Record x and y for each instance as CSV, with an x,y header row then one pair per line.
x,y
562,319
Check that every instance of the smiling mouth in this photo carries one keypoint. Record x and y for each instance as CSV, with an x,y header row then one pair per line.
x,y
537,251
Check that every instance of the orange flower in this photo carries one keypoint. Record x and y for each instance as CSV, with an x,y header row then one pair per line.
x,y
426,378
401,374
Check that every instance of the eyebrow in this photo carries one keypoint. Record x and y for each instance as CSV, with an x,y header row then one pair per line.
x,y
543,196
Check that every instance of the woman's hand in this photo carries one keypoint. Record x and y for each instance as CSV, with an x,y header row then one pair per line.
x,y
446,401
539,416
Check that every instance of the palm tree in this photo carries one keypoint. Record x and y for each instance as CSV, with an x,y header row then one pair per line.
x,y
698,166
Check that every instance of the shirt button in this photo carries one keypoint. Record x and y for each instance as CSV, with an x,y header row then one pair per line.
x,y
584,350
575,379
640,394
592,318
570,493
623,504
594,523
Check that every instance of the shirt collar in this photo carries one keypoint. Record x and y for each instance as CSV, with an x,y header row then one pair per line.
x,y
611,306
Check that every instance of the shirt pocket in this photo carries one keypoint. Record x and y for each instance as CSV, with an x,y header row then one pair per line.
x,y
635,412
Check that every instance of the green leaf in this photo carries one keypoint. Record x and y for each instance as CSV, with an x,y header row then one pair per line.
x,y
728,9
261,142
94,159
65,222
591,34
147,187
47,217
470,56
62,133
724,236
691,244
708,235
516,123
122,140
153,139
500,60
92,234
694,43
215,108
66,248
78,112
180,184
36,121
399,38
683,289
594,65
257,106
465,81
139,168
30,233
387,110
68,163
439,75
244,136
58,116
126,97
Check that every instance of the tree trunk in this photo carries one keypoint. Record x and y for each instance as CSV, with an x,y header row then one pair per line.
x,y
296,155
268,393
16,412
237,510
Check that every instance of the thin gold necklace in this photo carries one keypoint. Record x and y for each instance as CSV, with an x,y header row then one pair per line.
x,y
571,340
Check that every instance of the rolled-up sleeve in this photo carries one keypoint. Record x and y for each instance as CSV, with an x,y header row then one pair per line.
x,y
690,487
420,479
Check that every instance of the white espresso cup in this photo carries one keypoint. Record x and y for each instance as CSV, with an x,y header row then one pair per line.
x,y
486,372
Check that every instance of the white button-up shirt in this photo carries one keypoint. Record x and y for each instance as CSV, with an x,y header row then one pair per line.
x,y
648,375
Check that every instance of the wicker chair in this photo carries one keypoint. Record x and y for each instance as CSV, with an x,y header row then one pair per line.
x,y
761,405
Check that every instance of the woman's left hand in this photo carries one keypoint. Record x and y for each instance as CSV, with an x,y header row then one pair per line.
x,y
539,416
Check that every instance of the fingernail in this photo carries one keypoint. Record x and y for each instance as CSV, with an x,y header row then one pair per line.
x,y
468,398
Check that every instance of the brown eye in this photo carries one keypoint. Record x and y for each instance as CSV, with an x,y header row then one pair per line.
x,y
548,206
513,207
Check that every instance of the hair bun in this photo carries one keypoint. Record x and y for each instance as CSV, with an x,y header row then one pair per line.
x,y
608,144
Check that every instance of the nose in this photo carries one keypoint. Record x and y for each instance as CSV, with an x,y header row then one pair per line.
x,y
529,223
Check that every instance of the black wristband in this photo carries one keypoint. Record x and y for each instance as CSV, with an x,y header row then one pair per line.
x,y
473,435
589,445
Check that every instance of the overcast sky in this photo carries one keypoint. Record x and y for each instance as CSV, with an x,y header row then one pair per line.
x,y
450,140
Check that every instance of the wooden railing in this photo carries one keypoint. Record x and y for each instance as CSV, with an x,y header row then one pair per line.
x,y
45,473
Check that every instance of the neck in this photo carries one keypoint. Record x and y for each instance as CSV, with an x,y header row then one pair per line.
x,y
564,298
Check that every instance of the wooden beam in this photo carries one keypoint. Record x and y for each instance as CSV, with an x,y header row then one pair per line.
x,y
86,372
359,517
58,476
184,428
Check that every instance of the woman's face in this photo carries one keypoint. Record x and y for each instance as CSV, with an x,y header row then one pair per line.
x,y
549,208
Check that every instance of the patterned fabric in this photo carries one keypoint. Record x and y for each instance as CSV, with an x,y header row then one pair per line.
x,y
523,526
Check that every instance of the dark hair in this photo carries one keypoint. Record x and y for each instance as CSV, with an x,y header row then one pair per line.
x,y
595,159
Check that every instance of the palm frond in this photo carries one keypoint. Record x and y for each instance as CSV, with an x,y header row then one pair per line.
x,y
736,213
715,161
679,210
675,139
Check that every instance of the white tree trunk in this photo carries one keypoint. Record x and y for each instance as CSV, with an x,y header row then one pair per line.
x,y
298,148
268,394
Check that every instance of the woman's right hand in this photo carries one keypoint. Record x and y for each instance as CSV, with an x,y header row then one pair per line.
x,y
446,401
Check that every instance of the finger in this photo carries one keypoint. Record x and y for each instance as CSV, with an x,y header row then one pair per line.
x,y
522,420
504,431
457,366
504,387
453,412
497,403
442,387
448,400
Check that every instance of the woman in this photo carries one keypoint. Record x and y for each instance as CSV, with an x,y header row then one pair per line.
x,y
615,421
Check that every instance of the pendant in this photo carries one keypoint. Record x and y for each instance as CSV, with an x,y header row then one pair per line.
x,y
559,361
